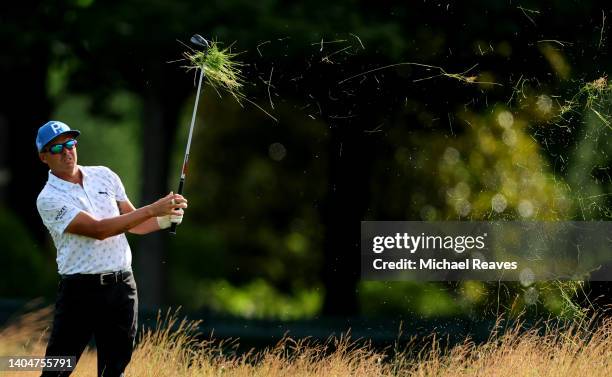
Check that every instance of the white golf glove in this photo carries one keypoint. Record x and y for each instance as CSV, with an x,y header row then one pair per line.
x,y
165,222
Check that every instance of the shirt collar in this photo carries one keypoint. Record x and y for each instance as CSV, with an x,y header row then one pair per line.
x,y
62,184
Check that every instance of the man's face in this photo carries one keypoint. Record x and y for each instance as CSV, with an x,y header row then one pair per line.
x,y
63,162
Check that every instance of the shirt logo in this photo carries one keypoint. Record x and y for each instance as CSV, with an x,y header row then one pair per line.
x,y
61,213
103,193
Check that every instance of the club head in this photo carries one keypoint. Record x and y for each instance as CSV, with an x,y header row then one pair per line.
x,y
199,40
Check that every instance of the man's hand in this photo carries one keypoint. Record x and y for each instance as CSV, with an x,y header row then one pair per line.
x,y
171,204
165,222
167,213
170,210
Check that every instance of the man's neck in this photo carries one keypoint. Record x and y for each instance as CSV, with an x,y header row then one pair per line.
x,y
75,177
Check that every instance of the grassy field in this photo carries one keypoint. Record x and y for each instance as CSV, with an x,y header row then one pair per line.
x,y
172,349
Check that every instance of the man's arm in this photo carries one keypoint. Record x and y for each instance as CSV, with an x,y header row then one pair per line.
x,y
86,225
148,226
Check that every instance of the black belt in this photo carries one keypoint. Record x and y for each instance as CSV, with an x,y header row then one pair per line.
x,y
105,278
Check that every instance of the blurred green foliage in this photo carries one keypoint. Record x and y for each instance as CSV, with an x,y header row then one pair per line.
x,y
252,229
31,272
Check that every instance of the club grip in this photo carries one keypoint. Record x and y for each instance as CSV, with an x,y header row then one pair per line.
x,y
180,192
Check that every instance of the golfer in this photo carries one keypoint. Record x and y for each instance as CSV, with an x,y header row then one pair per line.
x,y
87,212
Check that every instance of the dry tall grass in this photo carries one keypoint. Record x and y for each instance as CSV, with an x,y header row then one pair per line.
x,y
172,349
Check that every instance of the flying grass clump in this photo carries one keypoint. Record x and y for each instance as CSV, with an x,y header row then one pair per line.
x,y
222,72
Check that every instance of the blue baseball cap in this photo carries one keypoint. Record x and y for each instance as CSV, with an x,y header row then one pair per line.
x,y
50,131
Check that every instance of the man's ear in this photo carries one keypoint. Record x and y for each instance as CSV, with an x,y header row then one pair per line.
x,y
43,157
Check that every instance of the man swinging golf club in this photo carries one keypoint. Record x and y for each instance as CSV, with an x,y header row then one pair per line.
x,y
87,212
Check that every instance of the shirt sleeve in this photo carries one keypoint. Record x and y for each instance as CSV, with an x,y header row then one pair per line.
x,y
56,214
119,190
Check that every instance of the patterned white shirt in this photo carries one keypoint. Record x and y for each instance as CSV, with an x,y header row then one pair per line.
x,y
58,204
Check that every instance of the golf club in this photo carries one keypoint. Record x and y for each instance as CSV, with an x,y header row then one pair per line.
x,y
198,40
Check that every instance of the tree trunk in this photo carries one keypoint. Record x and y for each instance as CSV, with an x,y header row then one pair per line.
x,y
343,211
24,107
161,109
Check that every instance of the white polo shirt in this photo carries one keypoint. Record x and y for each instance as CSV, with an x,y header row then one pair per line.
x,y
58,204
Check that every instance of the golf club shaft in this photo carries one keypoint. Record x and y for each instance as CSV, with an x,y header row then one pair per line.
x,y
186,159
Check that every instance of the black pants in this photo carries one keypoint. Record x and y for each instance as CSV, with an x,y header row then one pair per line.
x,y
85,307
